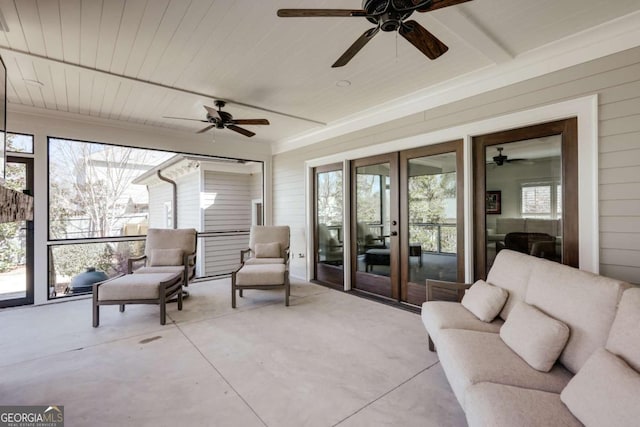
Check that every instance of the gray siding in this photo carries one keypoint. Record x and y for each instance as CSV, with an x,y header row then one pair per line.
x,y
616,79
226,201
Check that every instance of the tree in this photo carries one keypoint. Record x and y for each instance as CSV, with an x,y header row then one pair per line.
x,y
12,252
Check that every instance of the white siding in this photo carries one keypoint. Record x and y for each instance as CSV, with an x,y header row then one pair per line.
x,y
226,201
189,201
616,79
159,194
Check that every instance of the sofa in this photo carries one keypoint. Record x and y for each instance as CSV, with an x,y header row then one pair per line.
x,y
508,371
504,226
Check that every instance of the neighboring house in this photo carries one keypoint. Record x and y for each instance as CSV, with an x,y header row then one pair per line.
x,y
219,198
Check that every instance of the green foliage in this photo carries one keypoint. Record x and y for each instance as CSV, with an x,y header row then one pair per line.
x,y
70,260
11,251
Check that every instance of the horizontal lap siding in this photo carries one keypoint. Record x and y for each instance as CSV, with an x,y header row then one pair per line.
x,y
616,80
189,201
226,204
159,194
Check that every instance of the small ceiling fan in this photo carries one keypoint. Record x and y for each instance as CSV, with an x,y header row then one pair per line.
x,y
501,159
387,15
221,119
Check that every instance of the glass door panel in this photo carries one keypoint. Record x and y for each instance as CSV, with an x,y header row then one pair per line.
x,y
523,210
329,236
16,242
375,226
432,217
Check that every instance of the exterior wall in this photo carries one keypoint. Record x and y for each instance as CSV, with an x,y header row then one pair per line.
x,y
159,195
189,201
616,80
226,204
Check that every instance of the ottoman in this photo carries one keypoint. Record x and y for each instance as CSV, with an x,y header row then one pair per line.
x,y
260,276
148,288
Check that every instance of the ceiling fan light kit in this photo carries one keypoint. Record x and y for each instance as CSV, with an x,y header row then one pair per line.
x,y
388,16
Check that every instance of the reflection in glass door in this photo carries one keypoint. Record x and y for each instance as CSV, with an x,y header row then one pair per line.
x,y
16,241
329,236
375,225
432,218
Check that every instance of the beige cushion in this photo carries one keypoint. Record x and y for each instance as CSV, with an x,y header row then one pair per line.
x,y
534,336
162,257
470,357
267,250
160,269
262,274
585,302
511,271
439,315
605,392
133,287
498,405
264,261
624,338
181,238
484,300
269,234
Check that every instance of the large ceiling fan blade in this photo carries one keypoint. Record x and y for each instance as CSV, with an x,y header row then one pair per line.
x,y
241,130
439,4
315,13
250,122
206,129
185,118
355,47
422,39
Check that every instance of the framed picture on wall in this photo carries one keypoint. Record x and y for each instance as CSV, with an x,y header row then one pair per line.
x,y
493,202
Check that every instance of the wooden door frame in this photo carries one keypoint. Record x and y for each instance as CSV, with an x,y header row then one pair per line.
x,y
333,167
394,278
457,147
568,130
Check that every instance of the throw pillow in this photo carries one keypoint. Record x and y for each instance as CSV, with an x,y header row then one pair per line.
x,y
164,257
484,300
267,250
604,392
534,336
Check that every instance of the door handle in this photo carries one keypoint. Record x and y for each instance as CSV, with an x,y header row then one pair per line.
x,y
394,233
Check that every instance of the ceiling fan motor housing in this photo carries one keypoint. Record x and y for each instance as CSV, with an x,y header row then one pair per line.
x,y
384,14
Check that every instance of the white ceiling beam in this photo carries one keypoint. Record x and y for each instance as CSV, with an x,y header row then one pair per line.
x,y
472,34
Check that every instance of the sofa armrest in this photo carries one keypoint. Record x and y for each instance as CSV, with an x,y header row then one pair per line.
x,y
133,260
445,291
243,254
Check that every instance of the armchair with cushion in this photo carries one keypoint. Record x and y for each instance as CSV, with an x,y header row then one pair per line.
x,y
265,264
168,251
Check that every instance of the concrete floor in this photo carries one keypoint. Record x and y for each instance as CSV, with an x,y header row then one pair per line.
x,y
329,359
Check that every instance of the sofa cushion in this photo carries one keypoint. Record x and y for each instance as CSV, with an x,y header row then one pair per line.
x,y
509,225
604,392
511,271
624,338
162,257
484,300
499,405
547,226
160,269
133,287
584,301
438,315
264,261
534,336
470,357
267,250
182,238
263,274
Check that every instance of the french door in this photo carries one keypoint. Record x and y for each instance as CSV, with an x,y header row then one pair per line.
x,y
16,240
407,219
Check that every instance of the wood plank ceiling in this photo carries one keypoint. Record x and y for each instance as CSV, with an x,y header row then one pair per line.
x,y
93,57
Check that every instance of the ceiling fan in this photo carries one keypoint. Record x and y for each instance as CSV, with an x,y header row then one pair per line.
x,y
387,15
221,119
501,159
